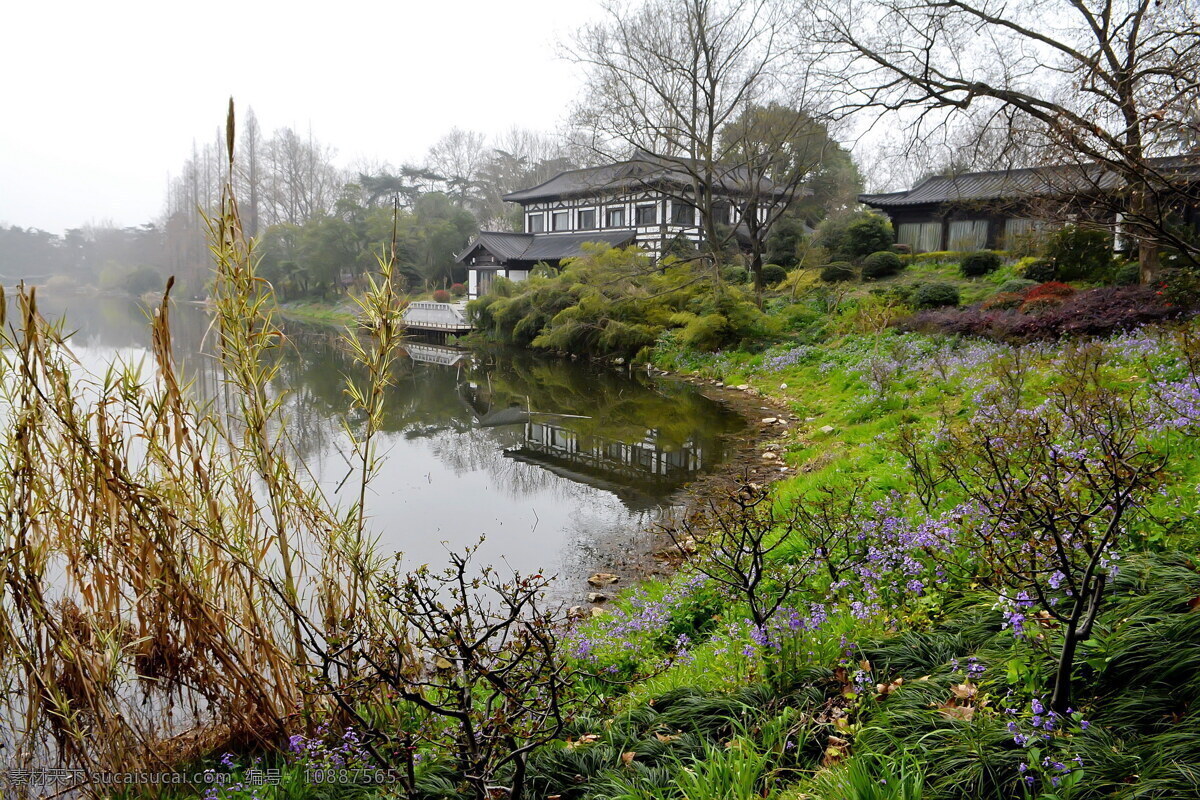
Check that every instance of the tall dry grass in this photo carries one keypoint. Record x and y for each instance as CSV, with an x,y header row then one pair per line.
x,y
168,572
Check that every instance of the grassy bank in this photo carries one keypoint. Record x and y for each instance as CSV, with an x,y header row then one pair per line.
x,y
931,677
338,314
948,501
975,579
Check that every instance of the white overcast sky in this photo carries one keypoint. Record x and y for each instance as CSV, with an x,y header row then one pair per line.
x,y
102,100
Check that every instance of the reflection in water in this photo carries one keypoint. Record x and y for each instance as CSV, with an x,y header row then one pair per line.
x,y
559,464
640,473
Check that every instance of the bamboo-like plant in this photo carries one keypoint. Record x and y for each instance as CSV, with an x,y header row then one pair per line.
x,y
163,561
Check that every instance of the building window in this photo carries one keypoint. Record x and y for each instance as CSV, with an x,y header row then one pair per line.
x,y
616,218
587,219
682,213
1020,231
721,212
921,237
560,221
536,223
483,284
968,235
646,215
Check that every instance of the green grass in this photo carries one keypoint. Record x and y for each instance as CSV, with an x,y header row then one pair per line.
x,y
717,723
339,315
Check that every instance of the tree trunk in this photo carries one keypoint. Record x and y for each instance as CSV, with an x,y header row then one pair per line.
x,y
518,783
1148,262
1060,700
756,267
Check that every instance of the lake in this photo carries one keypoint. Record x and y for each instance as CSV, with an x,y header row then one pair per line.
x,y
560,465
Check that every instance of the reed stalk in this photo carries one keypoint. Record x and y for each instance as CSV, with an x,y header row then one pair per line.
x,y
163,559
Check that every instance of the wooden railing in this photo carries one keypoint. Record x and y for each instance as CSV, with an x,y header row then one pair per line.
x,y
426,315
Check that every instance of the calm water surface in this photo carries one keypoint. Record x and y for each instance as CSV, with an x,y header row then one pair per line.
x,y
568,488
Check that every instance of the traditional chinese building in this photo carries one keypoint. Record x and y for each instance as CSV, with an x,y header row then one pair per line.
x,y
643,201
988,210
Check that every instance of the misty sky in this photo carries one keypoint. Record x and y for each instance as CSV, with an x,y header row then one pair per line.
x,y
103,100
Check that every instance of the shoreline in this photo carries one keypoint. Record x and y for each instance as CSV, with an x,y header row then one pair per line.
x,y
745,460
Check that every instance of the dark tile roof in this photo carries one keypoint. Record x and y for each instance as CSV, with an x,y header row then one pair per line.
x,y
1014,184
645,169
549,246
543,246
505,246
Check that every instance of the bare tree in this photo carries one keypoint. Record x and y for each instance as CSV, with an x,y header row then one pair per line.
x,y
301,179
675,78
776,152
733,539
477,656
1100,88
519,158
249,172
458,157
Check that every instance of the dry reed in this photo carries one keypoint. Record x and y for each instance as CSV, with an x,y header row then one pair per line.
x,y
164,564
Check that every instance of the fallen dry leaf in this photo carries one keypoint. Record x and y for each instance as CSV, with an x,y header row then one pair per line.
x,y
965,713
835,751
964,691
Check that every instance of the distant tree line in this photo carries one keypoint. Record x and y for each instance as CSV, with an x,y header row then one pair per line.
x,y
320,226
131,259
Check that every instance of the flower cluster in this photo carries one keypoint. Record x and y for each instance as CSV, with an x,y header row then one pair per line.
x,y
323,751
973,668
1046,736
797,355
629,630
1015,611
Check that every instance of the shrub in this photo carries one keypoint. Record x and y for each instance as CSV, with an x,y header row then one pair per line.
x,y
1018,285
1128,273
1180,287
902,249
1041,270
441,296
837,272
935,295
980,263
902,292
735,275
1036,305
868,234
937,256
773,274
1003,301
855,236
567,313
881,264
701,332
786,241
1079,254
1049,289
458,290
1097,312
